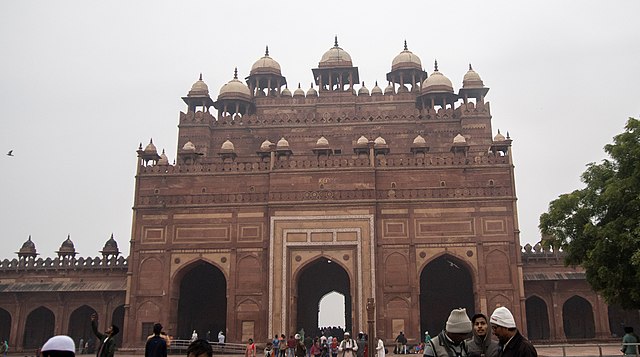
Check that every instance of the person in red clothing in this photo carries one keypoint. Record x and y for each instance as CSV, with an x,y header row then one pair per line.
x,y
291,346
251,349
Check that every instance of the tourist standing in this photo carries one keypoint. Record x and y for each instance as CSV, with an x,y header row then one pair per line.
x,y
251,349
628,340
107,346
334,347
194,336
380,348
300,349
513,344
348,346
291,346
481,344
283,346
450,342
156,345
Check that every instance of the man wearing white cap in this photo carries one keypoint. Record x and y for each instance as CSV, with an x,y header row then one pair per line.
x,y
451,341
348,346
59,346
512,343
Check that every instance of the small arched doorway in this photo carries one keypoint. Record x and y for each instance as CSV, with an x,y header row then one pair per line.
x,y
5,325
117,318
577,317
445,284
79,326
537,318
38,327
316,280
202,304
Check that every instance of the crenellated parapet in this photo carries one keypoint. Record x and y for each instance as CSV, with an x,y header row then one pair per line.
x,y
541,253
61,264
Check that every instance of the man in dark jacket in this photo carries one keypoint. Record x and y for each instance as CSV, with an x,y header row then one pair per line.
x,y
481,344
451,341
156,346
513,344
107,343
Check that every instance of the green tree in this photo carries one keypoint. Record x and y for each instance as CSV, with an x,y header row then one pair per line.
x,y
598,227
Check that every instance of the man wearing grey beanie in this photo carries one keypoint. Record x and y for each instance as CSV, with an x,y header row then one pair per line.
x,y
451,341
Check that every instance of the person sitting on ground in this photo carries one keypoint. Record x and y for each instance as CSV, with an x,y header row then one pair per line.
x,y
199,348
59,346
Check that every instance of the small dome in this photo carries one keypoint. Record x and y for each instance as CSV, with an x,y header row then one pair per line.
x,y
406,60
362,140
67,247
188,146
228,145
437,83
286,92
282,143
459,139
471,79
298,92
499,137
199,89
266,65
376,90
322,141
150,149
335,57
312,92
363,90
380,141
389,89
265,145
110,247
28,248
235,89
419,140
163,159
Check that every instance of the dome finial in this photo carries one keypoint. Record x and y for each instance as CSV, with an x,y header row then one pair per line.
x,y
405,45
200,76
235,73
266,51
376,83
335,44
311,84
436,66
298,84
470,68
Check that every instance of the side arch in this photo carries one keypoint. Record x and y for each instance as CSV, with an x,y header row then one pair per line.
x,y
5,325
537,318
38,328
577,317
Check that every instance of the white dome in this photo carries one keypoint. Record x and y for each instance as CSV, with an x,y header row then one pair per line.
x,y
188,146
472,79
419,140
235,89
499,137
335,57
437,83
199,88
376,89
265,145
459,139
298,92
322,141
228,145
266,64
282,143
286,92
150,148
406,59
380,141
362,140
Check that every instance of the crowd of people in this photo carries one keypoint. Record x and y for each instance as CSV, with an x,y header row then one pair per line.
x,y
461,337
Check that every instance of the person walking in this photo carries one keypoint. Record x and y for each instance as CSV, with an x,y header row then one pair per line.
x,y
481,344
512,343
156,345
107,343
380,348
401,343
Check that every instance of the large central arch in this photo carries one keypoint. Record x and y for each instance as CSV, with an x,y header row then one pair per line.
x,y
316,280
445,284
202,304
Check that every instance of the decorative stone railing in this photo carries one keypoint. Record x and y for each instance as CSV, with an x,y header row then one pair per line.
x,y
98,263
539,252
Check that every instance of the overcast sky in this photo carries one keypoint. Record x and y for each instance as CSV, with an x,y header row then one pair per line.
x,y
82,83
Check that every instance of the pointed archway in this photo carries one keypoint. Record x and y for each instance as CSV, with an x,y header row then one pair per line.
x,y
202,304
316,280
79,326
445,284
117,318
537,318
5,324
38,328
577,317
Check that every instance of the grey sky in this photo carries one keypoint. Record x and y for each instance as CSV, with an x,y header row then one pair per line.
x,y
82,83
